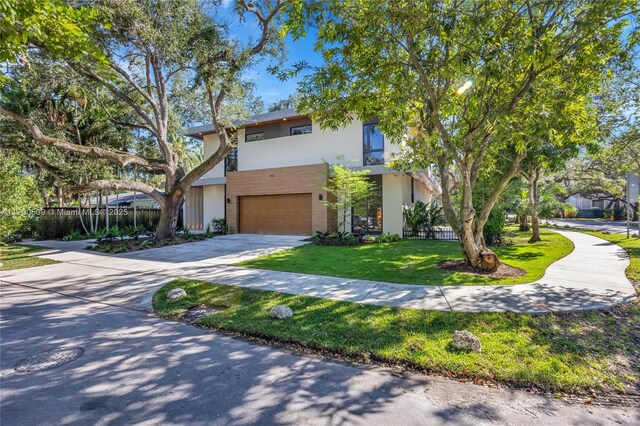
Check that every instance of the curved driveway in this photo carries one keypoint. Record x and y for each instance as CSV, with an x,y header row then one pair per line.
x,y
591,277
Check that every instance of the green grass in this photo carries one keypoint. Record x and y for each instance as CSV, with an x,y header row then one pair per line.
x,y
414,261
555,352
17,256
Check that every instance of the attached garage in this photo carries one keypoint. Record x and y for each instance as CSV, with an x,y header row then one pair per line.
x,y
275,214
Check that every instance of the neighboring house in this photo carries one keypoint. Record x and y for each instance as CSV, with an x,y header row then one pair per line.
x,y
597,204
582,203
273,182
127,199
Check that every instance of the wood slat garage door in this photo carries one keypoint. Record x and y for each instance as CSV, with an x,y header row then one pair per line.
x,y
276,214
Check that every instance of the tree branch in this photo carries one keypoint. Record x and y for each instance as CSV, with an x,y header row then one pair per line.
x,y
122,158
117,185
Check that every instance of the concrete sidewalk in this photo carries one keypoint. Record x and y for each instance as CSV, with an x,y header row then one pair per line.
x,y
591,277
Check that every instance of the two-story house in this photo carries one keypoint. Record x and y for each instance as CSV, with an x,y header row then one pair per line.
x,y
272,183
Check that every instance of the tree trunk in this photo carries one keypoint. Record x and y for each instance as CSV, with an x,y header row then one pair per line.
x,y
533,202
59,196
476,253
523,222
168,224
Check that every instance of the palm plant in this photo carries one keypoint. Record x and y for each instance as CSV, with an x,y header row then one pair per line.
x,y
424,217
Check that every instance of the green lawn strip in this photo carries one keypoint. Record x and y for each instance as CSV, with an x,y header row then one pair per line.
x,y
567,353
414,261
17,256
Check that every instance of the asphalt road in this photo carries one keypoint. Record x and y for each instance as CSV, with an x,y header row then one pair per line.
x,y
139,369
616,227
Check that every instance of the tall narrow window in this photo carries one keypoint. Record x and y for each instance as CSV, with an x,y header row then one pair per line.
x,y
366,215
373,145
231,161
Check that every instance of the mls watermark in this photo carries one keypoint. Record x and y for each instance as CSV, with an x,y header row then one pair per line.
x,y
111,211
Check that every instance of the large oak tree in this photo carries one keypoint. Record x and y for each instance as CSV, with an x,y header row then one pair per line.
x,y
144,53
452,80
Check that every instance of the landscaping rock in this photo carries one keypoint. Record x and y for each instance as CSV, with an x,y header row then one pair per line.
x,y
466,341
281,312
176,293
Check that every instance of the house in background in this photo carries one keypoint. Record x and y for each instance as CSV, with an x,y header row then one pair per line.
x,y
272,183
126,199
594,207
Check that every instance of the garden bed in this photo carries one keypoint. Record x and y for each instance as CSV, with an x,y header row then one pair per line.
x,y
126,245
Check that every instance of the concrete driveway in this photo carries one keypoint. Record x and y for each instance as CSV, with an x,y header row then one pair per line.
x,y
138,369
130,279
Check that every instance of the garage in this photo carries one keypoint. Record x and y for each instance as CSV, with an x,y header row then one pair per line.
x,y
275,214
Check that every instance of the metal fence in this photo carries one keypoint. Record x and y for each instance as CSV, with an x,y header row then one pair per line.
x,y
57,222
440,233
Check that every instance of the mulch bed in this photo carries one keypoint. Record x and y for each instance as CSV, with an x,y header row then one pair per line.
x,y
117,245
503,271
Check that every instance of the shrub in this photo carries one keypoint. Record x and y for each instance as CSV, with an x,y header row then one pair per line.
x,y
388,238
122,248
423,217
569,210
74,236
147,244
219,226
114,233
493,230
134,231
337,239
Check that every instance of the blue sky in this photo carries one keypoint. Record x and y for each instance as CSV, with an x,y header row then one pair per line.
x,y
268,86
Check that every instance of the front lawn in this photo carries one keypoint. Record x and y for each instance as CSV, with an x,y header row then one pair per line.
x,y
553,352
17,256
414,261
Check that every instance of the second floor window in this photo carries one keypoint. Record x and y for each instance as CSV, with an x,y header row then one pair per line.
x,y
373,145
231,161
252,137
300,130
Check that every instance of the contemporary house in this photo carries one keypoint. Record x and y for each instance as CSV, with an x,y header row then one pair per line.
x,y
273,182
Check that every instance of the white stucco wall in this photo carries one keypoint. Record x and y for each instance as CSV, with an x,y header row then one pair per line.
x,y
421,193
314,148
211,144
213,205
392,197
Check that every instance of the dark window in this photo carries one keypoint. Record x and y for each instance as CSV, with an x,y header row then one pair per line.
x,y
373,145
366,215
252,137
413,197
231,161
300,130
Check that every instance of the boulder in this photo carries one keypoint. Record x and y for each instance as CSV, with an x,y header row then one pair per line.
x,y
280,312
466,341
176,293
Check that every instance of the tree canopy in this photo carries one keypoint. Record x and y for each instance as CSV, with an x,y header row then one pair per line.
x,y
152,67
458,83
